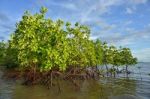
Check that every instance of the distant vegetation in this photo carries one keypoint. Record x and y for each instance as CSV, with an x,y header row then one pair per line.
x,y
45,49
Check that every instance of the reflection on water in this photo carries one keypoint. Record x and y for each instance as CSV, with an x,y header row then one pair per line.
x,y
88,90
107,88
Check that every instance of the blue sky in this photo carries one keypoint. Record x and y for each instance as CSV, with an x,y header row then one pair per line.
x,y
119,22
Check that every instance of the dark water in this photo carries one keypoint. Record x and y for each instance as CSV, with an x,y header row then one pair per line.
x,y
136,86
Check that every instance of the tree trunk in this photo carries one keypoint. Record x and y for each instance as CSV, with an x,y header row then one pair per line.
x,y
127,70
51,78
106,68
97,68
34,73
114,71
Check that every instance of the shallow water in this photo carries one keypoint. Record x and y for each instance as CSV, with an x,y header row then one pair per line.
x,y
136,86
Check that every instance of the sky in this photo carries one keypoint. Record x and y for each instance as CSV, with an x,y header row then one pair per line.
x,y
119,22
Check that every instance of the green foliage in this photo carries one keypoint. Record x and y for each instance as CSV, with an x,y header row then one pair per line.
x,y
127,57
106,54
2,52
40,42
99,52
117,57
8,56
44,44
10,59
49,44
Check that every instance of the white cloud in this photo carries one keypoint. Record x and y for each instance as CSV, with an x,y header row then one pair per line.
x,y
129,11
129,29
100,7
87,10
69,6
142,54
137,35
104,6
128,22
133,37
47,3
137,1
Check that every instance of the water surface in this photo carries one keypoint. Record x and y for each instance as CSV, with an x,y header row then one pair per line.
x,y
136,86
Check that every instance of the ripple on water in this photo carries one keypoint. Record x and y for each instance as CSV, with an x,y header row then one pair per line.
x,y
121,88
6,88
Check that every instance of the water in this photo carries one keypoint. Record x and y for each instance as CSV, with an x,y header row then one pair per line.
x,y
136,86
